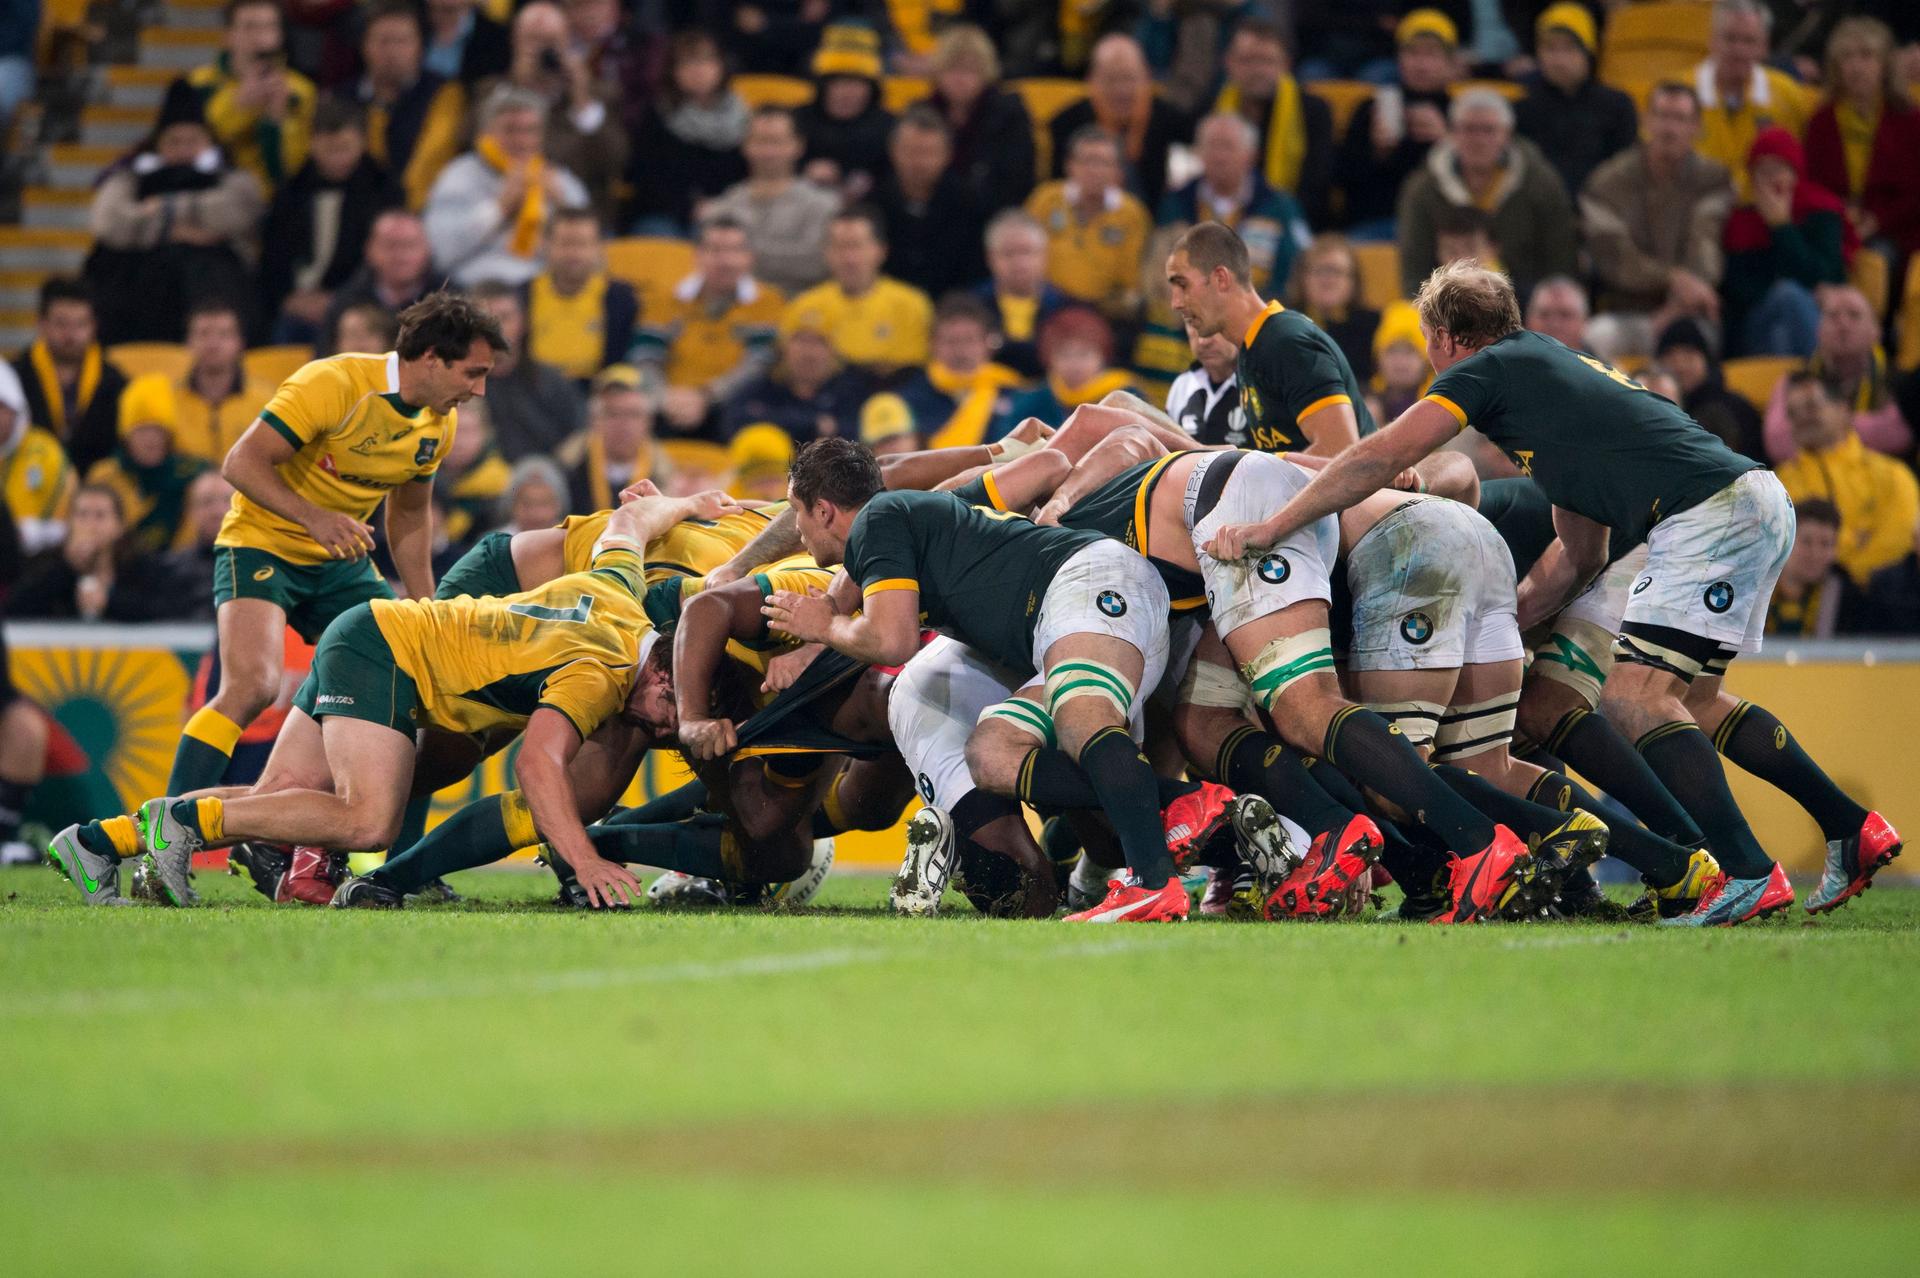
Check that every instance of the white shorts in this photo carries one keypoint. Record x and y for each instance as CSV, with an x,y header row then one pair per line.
x,y
1107,589
1579,650
1433,589
1296,569
1711,568
936,699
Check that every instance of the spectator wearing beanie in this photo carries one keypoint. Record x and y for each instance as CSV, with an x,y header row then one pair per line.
x,y
846,126
1388,137
1573,118
1684,350
1790,238
1077,348
151,478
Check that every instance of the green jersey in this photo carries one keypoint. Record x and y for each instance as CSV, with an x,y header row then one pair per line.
x,y
1289,370
981,572
1119,508
1597,442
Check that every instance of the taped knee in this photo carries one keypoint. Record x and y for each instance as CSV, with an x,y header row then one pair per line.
x,y
1285,662
517,819
1475,729
1071,679
1417,721
1025,716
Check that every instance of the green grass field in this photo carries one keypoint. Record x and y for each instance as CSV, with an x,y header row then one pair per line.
x,y
514,1090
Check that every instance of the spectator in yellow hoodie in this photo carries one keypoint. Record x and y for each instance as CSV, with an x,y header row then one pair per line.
x,y
1877,497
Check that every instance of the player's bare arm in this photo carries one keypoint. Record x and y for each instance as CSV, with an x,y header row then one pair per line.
x,y
550,743
1145,415
1330,430
410,536
251,466
1125,448
885,633
1358,472
1577,554
777,540
707,622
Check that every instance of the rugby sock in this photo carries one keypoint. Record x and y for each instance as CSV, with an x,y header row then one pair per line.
x,y
697,846
205,817
674,805
1050,778
1761,744
484,831
413,824
1685,761
205,749
1125,782
1594,748
1360,743
1252,761
1543,810
13,802
115,836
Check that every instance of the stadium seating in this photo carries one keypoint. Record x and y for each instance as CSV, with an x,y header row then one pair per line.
x,y
275,364
1909,318
1870,275
653,264
1644,43
1045,98
1343,98
1753,378
773,90
1379,273
898,92
136,358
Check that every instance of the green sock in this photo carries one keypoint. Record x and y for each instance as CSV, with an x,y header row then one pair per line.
x,y
696,846
475,835
674,805
205,750
413,825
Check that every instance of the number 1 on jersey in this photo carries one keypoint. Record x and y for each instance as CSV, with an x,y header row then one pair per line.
x,y
540,612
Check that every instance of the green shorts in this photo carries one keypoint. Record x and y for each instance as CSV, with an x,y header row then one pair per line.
x,y
311,595
355,676
485,570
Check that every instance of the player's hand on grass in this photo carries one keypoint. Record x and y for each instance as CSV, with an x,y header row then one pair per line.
x,y
707,738
784,669
805,617
342,536
607,884
1232,541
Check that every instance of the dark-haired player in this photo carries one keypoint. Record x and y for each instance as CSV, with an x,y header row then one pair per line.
x,y
1612,455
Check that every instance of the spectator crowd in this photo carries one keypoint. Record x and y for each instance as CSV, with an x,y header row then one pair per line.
x,y
713,233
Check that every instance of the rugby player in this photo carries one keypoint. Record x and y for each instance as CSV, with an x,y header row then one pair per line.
x,y
572,663
1613,456
339,436
1077,608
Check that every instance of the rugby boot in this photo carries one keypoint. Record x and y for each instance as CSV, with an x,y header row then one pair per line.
x,y
1738,901
363,893
1703,877
1193,819
1424,902
170,844
1581,898
1129,902
1261,839
1321,886
1484,884
927,866
312,875
1230,894
1851,863
436,892
1562,852
97,876
265,864
676,891
1086,884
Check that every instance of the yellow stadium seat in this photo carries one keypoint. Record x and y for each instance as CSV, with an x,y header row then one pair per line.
x,y
1753,377
698,457
1379,274
1909,356
1871,276
276,363
1047,96
898,92
1505,88
170,359
772,90
1651,42
1343,98
653,264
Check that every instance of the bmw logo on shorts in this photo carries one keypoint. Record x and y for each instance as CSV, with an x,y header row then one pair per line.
x,y
1719,596
1274,569
1642,584
1110,602
924,784
1416,627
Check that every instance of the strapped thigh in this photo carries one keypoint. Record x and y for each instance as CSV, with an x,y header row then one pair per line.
x,y
1475,729
1022,714
1082,678
1417,721
1286,661
1677,652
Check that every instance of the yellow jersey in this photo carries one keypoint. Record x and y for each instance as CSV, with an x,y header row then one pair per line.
x,y
888,326
691,548
1095,261
797,573
573,645
354,440
37,479
699,344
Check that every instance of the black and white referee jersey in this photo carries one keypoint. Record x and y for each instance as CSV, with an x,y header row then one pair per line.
x,y
1211,414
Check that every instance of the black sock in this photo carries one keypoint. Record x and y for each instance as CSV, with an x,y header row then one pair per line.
x,y
1050,778
1417,860
1546,807
1252,761
1761,744
1116,768
1360,743
1684,760
13,803
695,846
1594,747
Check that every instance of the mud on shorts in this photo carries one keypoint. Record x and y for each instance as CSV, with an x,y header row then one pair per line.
x,y
1245,488
1433,589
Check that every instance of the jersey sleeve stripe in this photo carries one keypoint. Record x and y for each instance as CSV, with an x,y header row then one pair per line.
x,y
889,583
1459,413
992,486
1325,401
282,429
